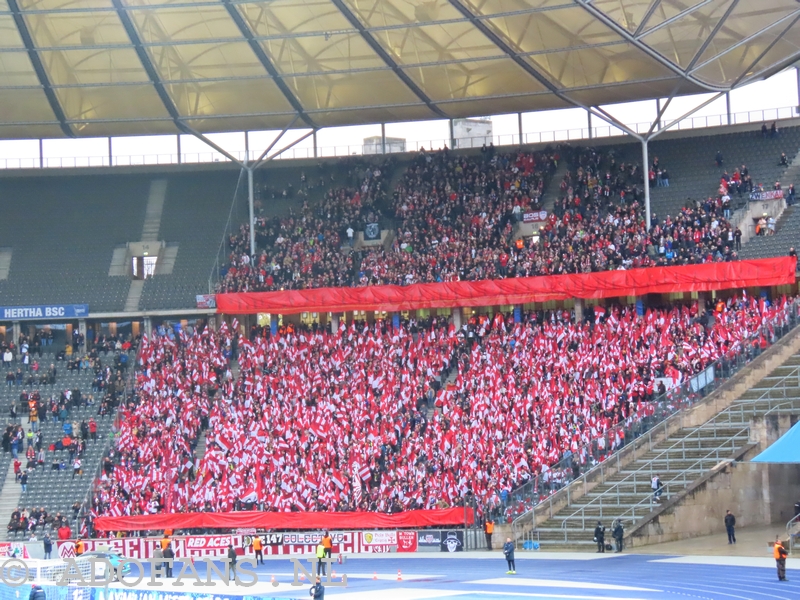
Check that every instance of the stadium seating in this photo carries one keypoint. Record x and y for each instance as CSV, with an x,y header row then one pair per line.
x,y
694,174
63,231
56,490
349,406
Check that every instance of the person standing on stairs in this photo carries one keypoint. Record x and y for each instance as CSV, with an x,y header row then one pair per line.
x,y
730,524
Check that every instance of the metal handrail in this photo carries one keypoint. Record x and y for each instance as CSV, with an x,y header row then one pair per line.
x,y
790,527
521,519
649,499
682,443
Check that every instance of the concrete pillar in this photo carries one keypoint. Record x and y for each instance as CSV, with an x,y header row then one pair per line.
x,y
578,310
82,331
335,322
148,327
17,329
457,318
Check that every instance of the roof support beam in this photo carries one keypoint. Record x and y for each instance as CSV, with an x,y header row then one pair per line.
x,y
155,79
38,67
791,17
652,8
671,20
390,62
711,35
525,66
766,51
265,61
625,34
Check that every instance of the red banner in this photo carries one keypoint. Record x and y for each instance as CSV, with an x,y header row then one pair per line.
x,y
289,520
764,272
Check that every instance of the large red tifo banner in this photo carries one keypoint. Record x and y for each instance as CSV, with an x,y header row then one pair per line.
x,y
274,544
290,520
765,272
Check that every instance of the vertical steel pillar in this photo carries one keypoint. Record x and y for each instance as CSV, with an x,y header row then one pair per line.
x,y
589,121
250,195
315,143
728,105
646,172
180,159
110,153
383,138
41,153
452,136
519,127
658,112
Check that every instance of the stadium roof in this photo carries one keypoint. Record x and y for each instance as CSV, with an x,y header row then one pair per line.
x,y
130,67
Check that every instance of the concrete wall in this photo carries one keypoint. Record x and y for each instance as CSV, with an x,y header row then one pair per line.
x,y
756,493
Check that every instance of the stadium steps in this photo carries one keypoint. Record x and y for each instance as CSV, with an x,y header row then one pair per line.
x,y
5,262
134,295
9,497
553,190
155,206
679,460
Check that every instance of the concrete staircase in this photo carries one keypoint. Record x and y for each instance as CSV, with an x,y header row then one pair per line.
x,y
155,207
553,190
679,460
9,496
134,294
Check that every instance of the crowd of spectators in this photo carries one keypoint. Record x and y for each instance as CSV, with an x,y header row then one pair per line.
x,y
455,214
333,421
453,218
40,401
304,249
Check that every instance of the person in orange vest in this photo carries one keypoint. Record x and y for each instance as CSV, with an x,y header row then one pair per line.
x,y
164,542
258,548
780,558
327,543
80,547
488,529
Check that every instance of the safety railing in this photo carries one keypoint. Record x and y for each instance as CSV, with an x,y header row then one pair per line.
x,y
659,424
680,482
309,152
793,531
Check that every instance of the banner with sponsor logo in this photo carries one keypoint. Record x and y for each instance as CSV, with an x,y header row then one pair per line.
x,y
388,541
13,550
284,543
429,540
769,195
534,217
410,519
206,300
54,311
